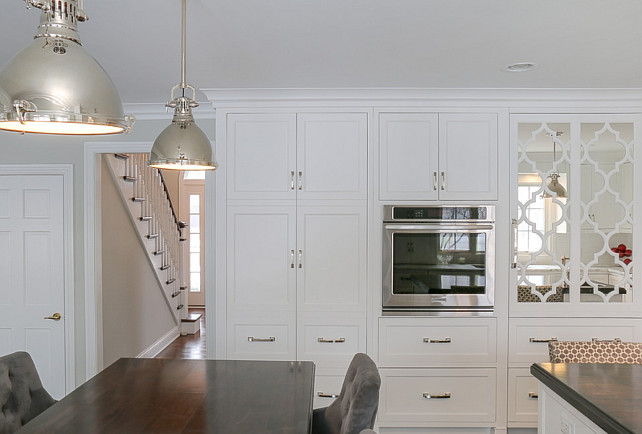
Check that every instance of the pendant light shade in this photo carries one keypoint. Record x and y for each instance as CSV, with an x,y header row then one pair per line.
x,y
554,186
182,145
54,86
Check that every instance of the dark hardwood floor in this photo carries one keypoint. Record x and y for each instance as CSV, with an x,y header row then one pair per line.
x,y
188,346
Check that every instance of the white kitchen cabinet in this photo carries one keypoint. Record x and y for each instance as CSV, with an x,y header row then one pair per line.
x,y
413,341
436,397
297,156
332,250
447,156
261,244
522,397
284,259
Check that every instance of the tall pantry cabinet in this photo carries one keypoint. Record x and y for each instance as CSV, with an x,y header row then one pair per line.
x,y
295,230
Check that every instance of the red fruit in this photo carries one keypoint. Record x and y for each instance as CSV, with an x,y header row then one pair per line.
x,y
614,249
621,247
621,254
628,252
627,261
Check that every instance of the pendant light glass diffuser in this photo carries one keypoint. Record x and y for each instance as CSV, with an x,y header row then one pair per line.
x,y
54,86
182,145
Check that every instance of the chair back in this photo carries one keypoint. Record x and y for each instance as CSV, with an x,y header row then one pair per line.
x,y
22,396
595,351
356,407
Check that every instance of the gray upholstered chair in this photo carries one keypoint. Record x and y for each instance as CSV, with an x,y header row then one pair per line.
x,y
356,407
22,396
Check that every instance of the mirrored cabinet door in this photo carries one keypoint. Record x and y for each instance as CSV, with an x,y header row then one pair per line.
x,y
573,211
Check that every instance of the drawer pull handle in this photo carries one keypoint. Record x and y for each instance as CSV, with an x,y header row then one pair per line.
x,y
542,341
327,395
444,396
331,341
614,340
253,339
533,395
437,341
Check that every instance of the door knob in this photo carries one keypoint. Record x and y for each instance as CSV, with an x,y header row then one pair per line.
x,y
56,317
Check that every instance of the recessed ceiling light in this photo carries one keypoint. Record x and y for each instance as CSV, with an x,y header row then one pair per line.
x,y
519,67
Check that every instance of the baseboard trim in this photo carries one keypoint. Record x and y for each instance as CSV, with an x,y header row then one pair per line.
x,y
160,344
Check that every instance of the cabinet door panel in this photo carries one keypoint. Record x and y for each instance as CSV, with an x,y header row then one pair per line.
x,y
261,151
332,271
332,155
260,258
468,156
408,156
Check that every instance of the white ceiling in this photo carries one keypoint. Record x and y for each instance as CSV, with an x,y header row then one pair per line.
x,y
353,43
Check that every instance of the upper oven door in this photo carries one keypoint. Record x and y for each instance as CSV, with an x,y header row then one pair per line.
x,y
438,266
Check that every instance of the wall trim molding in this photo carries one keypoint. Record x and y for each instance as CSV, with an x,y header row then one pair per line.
x,y
513,98
158,346
67,173
93,247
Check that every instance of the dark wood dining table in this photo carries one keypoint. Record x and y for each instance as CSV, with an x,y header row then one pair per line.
x,y
187,396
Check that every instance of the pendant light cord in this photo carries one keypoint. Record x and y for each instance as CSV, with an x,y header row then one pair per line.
x,y
183,46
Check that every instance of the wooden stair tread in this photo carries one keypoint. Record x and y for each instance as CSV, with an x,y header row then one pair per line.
x,y
192,317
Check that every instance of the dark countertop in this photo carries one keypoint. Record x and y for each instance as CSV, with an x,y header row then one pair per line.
x,y
610,395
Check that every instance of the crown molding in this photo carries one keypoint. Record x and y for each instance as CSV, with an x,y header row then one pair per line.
x,y
448,97
156,111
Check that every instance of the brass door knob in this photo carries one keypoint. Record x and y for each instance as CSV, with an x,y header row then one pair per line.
x,y
56,317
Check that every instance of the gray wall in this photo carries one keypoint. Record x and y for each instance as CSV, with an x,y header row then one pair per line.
x,y
47,149
135,311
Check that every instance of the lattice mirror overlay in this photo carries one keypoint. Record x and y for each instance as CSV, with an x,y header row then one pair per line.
x,y
606,180
541,228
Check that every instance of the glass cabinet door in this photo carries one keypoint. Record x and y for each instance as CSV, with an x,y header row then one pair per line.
x,y
573,210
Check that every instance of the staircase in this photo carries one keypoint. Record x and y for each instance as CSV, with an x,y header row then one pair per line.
x,y
146,198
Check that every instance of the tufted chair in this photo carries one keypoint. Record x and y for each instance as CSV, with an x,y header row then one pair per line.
x,y
595,351
356,407
22,396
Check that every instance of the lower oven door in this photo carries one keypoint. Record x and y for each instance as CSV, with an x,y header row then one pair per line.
x,y
438,267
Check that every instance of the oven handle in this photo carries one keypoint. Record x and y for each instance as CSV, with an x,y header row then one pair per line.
x,y
437,227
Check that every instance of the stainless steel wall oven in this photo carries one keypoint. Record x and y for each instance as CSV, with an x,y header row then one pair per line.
x,y
438,258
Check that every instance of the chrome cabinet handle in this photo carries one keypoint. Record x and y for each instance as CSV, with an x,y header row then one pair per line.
x,y
443,181
56,317
253,339
300,258
331,341
533,395
443,396
515,240
542,341
291,258
437,341
434,180
292,180
327,395
300,180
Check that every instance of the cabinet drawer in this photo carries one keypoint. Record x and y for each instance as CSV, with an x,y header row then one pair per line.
x,y
327,386
334,344
528,337
522,397
417,341
247,341
437,395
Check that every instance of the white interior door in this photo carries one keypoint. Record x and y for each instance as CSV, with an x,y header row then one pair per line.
x,y
32,260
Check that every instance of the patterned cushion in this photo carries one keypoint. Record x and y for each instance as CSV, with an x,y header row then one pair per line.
x,y
595,351
525,295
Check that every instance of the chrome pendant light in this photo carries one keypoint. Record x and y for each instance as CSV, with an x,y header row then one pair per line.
x,y
182,145
554,185
54,86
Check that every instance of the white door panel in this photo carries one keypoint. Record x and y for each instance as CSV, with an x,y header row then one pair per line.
x,y
32,257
